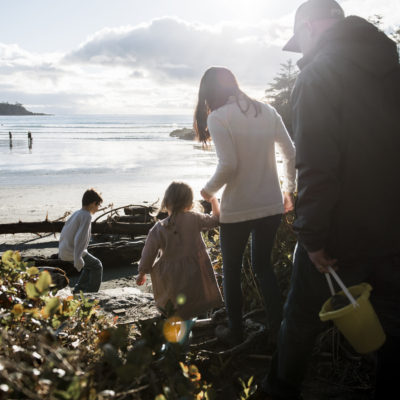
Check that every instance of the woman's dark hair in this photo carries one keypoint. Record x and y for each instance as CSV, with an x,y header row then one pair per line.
x,y
91,196
216,86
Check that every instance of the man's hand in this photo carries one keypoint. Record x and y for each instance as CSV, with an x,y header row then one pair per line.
x,y
321,260
141,279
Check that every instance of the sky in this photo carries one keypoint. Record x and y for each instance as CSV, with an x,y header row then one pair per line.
x,y
144,57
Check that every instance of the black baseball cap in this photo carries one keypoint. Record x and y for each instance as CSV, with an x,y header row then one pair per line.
x,y
312,10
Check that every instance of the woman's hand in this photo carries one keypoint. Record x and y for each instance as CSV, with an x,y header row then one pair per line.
x,y
206,196
141,279
288,202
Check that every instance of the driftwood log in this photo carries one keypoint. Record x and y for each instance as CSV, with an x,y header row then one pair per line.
x,y
98,227
116,253
132,219
54,263
111,254
139,210
137,221
148,211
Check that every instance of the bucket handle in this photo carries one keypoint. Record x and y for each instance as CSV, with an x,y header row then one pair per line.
x,y
342,286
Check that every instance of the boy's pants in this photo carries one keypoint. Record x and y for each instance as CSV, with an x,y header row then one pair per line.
x,y
91,275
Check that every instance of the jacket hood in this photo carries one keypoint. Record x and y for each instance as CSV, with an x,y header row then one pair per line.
x,y
360,42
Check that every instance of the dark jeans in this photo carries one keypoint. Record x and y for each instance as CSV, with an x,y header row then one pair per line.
x,y
234,238
91,275
301,324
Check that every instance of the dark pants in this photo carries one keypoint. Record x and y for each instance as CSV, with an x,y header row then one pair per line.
x,y
301,324
91,275
234,238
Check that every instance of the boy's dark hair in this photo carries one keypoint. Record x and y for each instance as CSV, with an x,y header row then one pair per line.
x,y
91,196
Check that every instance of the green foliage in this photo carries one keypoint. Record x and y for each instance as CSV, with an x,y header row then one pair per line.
x,y
279,92
282,252
43,348
394,34
248,388
52,348
376,20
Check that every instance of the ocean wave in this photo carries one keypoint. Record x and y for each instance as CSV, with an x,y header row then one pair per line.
x,y
66,171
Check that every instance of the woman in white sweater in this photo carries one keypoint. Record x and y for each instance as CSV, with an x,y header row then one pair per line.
x,y
245,133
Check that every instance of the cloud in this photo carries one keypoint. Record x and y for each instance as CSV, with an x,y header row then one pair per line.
x,y
153,67
173,49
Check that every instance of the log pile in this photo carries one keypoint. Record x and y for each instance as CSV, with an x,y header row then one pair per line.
x,y
109,226
117,253
121,237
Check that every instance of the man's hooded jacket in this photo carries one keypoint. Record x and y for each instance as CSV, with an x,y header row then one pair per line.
x,y
346,119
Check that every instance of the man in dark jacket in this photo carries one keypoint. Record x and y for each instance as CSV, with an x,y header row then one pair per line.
x,y
346,120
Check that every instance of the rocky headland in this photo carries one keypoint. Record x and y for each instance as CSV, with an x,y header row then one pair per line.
x,y
184,133
15,109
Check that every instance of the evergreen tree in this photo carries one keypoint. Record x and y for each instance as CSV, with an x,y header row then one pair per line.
x,y
279,92
377,20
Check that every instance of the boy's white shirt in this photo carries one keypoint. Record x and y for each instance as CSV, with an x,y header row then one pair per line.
x,y
246,161
75,237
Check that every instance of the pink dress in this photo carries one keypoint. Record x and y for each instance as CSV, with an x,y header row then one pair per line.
x,y
175,255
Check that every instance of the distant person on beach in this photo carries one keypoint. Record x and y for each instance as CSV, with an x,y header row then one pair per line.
x,y
10,139
74,240
245,133
346,124
176,257
29,139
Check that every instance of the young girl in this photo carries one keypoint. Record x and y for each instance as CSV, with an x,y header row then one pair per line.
x,y
176,258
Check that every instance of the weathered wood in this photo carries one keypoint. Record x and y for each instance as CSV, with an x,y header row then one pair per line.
x,y
147,210
139,210
54,262
111,254
98,227
133,218
114,253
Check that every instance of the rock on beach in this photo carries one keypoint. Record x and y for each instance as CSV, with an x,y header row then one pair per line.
x,y
184,133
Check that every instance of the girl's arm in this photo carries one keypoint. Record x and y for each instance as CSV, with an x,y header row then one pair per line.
x,y
207,221
141,279
149,254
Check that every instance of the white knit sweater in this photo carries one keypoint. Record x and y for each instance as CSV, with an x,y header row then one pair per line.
x,y
75,237
245,148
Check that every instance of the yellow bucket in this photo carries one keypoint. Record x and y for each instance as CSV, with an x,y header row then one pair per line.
x,y
359,325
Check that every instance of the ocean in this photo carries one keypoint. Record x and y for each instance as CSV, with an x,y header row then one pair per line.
x,y
130,159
